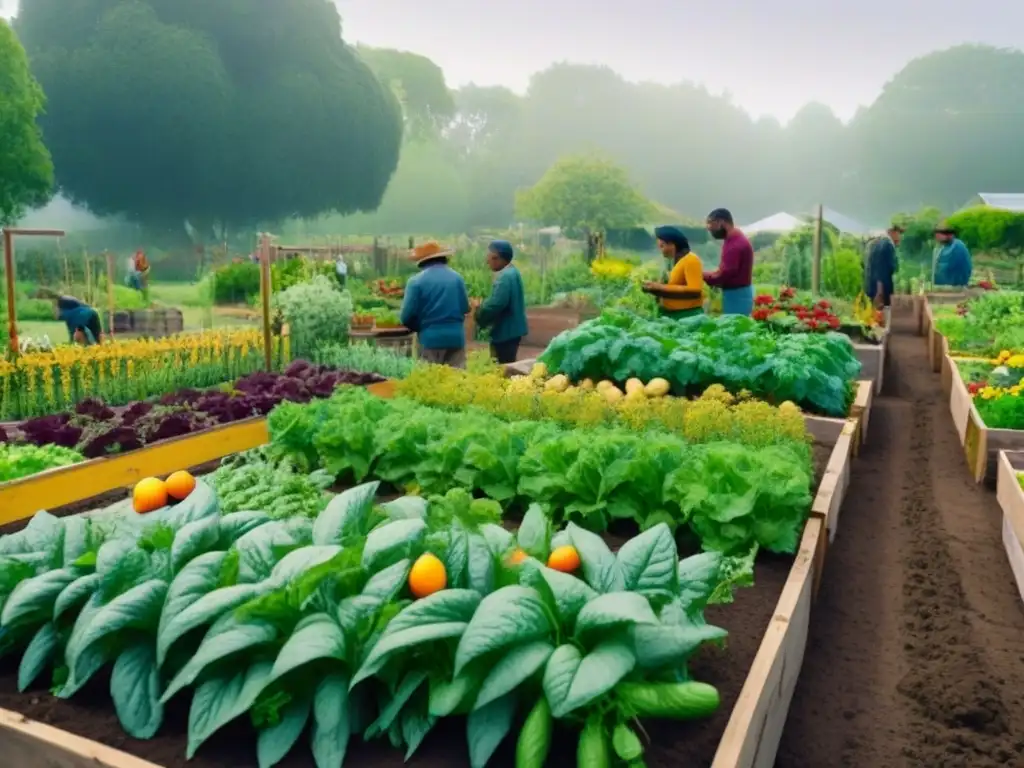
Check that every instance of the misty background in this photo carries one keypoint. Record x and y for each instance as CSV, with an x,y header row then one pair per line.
x,y
870,108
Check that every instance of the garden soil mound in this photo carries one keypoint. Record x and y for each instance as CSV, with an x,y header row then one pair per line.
x,y
916,652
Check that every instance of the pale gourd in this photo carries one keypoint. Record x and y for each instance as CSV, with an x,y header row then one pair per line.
x,y
788,407
612,394
634,385
657,388
587,384
558,383
603,385
539,371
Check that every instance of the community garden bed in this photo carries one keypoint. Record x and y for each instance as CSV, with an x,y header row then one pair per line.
x,y
755,672
1011,499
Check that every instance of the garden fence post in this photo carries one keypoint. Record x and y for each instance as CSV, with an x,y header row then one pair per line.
x,y
268,352
816,254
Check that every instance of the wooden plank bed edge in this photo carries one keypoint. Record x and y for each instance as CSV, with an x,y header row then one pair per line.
x,y
752,735
1011,500
29,744
831,491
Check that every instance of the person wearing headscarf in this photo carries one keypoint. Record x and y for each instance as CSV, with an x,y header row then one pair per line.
x,y
735,271
435,307
504,311
952,260
682,293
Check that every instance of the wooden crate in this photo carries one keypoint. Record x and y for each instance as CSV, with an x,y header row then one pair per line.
x,y
981,443
1011,499
752,734
544,323
872,361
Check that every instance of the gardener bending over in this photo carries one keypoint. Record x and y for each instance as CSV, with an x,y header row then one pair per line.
x,y
504,311
83,321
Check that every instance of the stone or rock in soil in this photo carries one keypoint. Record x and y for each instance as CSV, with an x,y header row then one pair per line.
x,y
916,651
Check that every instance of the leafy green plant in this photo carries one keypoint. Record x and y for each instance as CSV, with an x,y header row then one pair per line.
x,y
367,358
814,371
17,461
317,313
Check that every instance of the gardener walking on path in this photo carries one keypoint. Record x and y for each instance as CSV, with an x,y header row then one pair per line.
x,y
504,311
736,270
682,293
880,266
435,307
951,264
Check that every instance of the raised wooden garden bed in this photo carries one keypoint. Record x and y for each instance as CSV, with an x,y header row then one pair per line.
x,y
750,738
1011,499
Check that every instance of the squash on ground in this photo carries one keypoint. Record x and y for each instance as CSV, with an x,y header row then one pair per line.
x,y
657,387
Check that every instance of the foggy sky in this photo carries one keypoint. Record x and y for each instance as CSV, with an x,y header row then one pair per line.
x,y
771,55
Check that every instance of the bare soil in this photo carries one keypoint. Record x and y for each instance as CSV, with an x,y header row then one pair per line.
x,y
916,651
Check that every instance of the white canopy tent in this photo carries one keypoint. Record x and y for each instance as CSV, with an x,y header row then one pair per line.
x,y
1006,201
779,222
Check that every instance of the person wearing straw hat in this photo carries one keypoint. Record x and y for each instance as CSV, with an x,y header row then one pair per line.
x,y
504,311
435,307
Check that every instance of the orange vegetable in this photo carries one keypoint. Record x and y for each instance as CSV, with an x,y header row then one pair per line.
x,y
516,557
565,559
427,576
149,494
180,484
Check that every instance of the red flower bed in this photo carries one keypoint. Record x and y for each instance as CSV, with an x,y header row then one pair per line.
x,y
786,312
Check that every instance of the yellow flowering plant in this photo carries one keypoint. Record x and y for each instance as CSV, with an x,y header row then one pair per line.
x,y
119,371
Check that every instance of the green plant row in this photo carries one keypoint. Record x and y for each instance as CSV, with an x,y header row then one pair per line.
x,y
313,628
815,371
730,495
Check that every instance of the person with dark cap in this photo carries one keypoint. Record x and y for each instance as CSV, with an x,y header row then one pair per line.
x,y
682,293
504,311
879,267
82,321
435,307
951,264
735,272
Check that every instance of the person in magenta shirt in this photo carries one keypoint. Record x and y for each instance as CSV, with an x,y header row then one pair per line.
x,y
736,270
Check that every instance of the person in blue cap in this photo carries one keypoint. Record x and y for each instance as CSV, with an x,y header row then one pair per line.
x,y
504,311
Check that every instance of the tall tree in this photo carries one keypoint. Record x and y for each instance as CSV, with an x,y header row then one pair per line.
x,y
419,85
26,171
585,194
221,114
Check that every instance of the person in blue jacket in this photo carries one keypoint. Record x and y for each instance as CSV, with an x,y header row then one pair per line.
x,y
952,261
82,321
504,311
435,307
879,267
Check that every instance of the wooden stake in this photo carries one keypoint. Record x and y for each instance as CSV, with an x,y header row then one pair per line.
x,y
816,257
110,292
12,312
268,351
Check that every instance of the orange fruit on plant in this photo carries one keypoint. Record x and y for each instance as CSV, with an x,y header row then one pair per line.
x,y
516,557
180,484
149,494
565,559
427,576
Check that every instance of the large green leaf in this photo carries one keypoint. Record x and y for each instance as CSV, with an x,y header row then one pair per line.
x,y
391,542
346,515
534,535
444,606
234,637
569,593
447,696
138,608
32,600
386,584
390,712
296,563
194,539
135,690
276,741
315,637
237,524
600,567
204,611
260,548
519,664
39,653
199,577
611,610
75,594
657,646
573,683
481,564
392,642
511,615
648,562
220,700
76,538
406,508
487,727
331,724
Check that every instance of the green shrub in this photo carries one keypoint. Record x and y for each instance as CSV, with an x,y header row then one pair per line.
x,y
989,229
317,312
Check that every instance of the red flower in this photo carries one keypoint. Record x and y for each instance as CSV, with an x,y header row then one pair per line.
x,y
764,299
834,322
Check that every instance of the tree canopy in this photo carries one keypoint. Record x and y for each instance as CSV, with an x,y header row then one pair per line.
x,y
943,129
221,114
584,194
419,85
26,171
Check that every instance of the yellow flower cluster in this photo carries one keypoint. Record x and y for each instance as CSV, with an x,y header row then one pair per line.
x,y
1009,359
614,269
120,371
715,416
991,393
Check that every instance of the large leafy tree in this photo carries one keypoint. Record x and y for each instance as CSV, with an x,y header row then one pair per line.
x,y
585,194
222,114
419,85
26,171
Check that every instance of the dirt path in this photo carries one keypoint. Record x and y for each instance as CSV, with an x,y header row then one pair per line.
x,y
916,654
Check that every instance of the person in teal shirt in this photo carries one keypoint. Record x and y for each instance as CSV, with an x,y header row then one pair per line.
x,y
953,264
504,311
435,307
82,321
